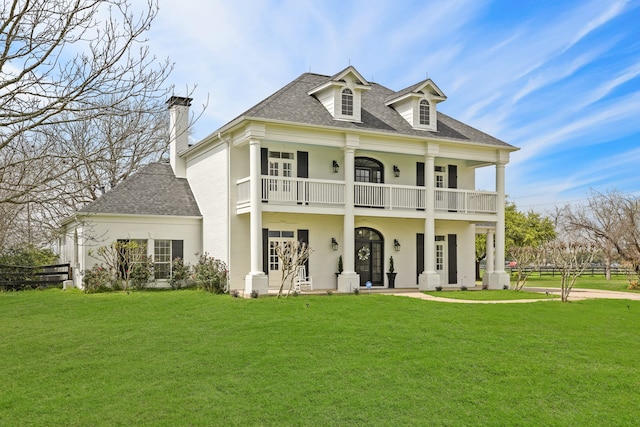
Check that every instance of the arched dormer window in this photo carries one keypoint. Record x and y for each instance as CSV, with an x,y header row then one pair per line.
x,y
347,102
424,112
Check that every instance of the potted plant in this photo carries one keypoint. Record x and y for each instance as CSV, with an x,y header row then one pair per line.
x,y
340,267
391,274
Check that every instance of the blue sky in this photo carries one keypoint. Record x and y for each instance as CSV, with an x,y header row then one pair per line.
x,y
559,79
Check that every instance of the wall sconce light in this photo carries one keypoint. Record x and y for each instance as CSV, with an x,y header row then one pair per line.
x,y
334,244
396,171
336,167
396,245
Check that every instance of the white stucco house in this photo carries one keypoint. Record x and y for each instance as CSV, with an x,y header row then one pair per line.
x,y
350,167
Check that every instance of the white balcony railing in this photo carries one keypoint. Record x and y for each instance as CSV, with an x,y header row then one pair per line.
x,y
301,191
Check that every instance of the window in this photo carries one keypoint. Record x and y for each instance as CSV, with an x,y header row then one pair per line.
x,y
162,259
424,112
347,102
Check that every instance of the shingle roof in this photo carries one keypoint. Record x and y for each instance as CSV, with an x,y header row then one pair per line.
x,y
293,104
153,190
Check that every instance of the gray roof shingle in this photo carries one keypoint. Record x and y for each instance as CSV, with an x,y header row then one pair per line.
x,y
153,190
293,104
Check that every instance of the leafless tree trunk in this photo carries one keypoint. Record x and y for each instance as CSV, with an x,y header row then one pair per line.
x,y
292,255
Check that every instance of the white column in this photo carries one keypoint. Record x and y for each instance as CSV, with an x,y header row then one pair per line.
x,y
429,221
256,279
489,248
429,279
349,279
500,225
499,278
349,217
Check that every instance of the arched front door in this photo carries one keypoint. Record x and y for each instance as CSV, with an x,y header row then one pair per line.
x,y
369,256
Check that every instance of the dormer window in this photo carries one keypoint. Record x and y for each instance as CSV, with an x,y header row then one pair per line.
x,y
347,102
417,104
424,112
341,95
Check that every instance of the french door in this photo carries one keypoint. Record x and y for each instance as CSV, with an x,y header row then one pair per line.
x,y
369,256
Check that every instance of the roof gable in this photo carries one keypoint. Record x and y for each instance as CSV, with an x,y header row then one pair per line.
x,y
153,190
426,86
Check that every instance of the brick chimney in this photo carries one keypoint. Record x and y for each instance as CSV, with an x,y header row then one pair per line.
x,y
178,132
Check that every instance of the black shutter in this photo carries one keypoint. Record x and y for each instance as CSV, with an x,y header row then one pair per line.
x,y
419,255
303,172
303,237
453,176
264,161
177,249
420,182
452,263
265,250
420,174
453,183
303,164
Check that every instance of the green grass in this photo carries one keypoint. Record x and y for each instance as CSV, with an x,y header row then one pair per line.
x,y
190,358
617,283
489,295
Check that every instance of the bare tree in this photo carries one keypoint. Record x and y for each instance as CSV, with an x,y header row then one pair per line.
x,y
527,258
292,255
611,221
571,258
64,62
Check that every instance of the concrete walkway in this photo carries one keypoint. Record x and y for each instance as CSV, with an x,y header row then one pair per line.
x,y
575,295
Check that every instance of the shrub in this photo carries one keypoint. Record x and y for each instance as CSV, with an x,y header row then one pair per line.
x,y
463,288
98,279
234,293
179,274
141,273
27,255
356,291
438,288
210,274
254,293
633,285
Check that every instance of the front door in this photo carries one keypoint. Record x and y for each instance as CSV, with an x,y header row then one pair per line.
x,y
277,238
369,256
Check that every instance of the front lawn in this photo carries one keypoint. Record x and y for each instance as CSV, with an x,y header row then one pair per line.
x,y
191,358
586,281
489,295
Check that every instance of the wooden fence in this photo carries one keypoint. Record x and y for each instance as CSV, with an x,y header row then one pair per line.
x,y
16,277
553,271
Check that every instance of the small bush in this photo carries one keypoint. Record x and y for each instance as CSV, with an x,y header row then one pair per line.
x,y
141,274
180,273
633,285
438,288
329,293
463,288
234,293
255,293
356,291
210,274
98,279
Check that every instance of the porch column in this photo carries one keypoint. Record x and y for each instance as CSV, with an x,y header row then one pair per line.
x,y
490,261
499,278
349,279
256,279
429,278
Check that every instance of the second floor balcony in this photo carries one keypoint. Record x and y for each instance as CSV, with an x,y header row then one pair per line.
x,y
330,194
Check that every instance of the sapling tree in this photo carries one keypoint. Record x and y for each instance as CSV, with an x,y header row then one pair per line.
x,y
291,255
571,258
122,259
